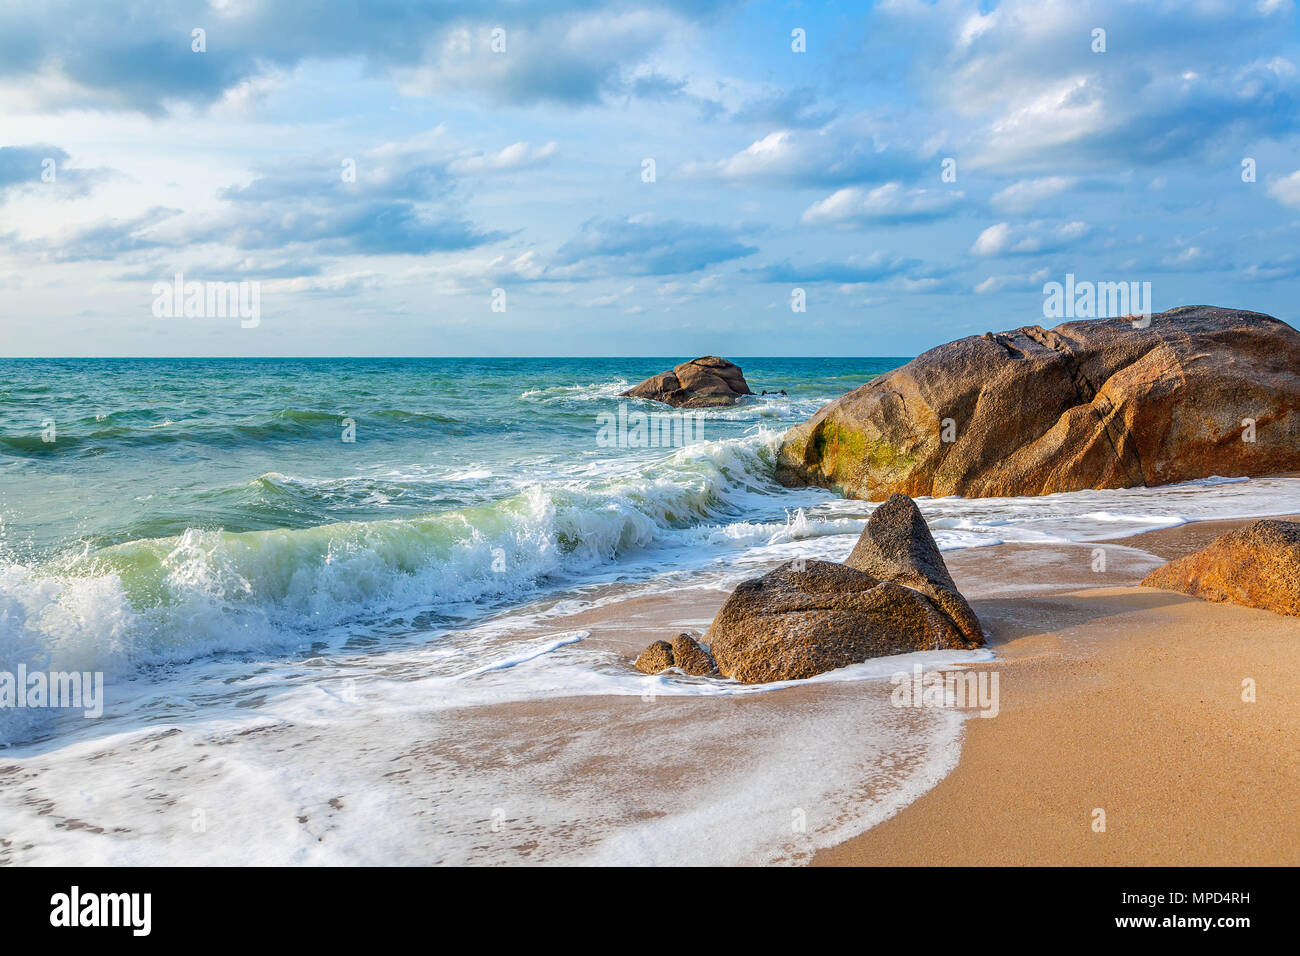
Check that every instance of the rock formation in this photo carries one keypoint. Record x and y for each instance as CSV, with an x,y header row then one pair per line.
x,y
1105,403
897,546
792,623
707,382
684,652
1258,566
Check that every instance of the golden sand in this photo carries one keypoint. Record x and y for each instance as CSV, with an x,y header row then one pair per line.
x,y
1125,700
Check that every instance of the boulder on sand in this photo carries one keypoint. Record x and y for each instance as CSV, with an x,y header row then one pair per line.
x,y
793,623
1258,566
897,546
707,382
1106,403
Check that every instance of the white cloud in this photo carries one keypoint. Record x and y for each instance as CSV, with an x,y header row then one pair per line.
x,y
857,149
888,203
515,156
1038,97
1017,281
1286,190
1028,193
1005,239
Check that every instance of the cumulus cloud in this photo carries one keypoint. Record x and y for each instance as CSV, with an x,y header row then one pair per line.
x,y
890,203
104,240
1286,189
1175,80
839,153
1278,268
1005,239
516,156
49,168
1020,281
397,199
81,53
1026,194
786,109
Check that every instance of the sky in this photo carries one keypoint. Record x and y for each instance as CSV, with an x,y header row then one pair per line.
x,y
651,177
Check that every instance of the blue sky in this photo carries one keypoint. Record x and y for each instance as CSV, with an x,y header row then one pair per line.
x,y
522,170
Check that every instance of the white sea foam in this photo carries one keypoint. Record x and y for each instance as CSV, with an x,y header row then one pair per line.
x,y
403,773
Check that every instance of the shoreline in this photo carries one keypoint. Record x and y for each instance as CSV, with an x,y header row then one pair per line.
x,y
665,771
1124,699
1113,696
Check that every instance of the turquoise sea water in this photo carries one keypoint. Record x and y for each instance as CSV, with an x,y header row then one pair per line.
x,y
155,511
150,448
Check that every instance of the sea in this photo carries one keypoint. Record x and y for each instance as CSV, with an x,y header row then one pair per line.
x,y
331,602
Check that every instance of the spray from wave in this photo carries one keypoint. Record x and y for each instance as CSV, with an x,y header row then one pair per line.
x,y
171,599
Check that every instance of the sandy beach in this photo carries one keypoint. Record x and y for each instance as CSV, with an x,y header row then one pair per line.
x,y
1113,697
1126,699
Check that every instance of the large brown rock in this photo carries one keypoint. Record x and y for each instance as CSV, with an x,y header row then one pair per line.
x,y
1089,404
1258,566
706,382
897,546
791,624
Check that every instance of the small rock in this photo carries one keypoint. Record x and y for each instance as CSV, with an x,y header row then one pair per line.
x,y
655,658
691,657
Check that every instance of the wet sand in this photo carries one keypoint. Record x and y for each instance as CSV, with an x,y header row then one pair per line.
x,y
1113,697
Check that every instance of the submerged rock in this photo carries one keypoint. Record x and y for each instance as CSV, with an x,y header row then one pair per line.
x,y
1257,566
897,546
794,623
707,382
1198,391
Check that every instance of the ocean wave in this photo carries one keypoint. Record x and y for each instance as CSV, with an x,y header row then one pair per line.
x,y
593,391
97,434
163,600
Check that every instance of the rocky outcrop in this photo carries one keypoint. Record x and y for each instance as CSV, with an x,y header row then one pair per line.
x,y
684,653
707,382
897,546
1199,391
1258,566
793,623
